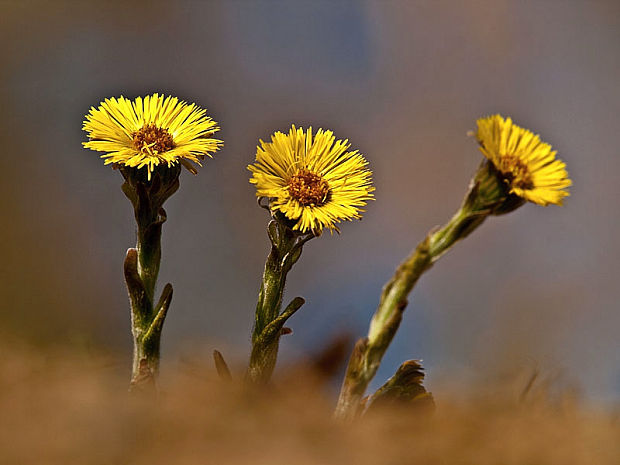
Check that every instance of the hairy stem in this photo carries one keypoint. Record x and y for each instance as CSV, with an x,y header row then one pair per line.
x,y
369,351
286,247
142,267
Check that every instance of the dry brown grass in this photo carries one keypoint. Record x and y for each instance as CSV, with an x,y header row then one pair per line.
x,y
61,409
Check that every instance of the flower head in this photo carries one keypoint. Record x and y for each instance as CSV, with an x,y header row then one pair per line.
x,y
527,165
150,131
312,178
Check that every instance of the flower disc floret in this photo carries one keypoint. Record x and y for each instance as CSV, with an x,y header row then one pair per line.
x,y
308,188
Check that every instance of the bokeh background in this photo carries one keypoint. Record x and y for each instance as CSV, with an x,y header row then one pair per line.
x,y
404,81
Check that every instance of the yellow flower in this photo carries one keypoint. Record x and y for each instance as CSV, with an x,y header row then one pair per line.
x,y
151,131
527,164
312,179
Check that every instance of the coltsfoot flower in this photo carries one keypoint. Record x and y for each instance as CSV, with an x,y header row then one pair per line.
x,y
150,131
313,179
527,165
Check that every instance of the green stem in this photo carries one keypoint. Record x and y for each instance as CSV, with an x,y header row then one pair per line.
x,y
488,195
264,355
369,351
142,267
148,245
271,289
141,270
286,247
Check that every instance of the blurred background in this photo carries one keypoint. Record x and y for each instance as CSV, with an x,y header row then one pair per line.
x,y
404,82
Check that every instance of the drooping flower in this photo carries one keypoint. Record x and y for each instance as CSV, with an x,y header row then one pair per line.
x,y
313,179
528,166
150,131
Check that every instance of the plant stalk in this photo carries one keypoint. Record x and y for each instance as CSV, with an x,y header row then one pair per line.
x,y
286,248
369,351
141,268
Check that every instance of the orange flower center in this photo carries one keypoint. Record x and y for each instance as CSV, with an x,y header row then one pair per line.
x,y
152,140
516,172
308,188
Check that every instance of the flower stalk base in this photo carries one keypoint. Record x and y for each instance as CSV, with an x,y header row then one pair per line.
x,y
487,195
286,248
141,268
